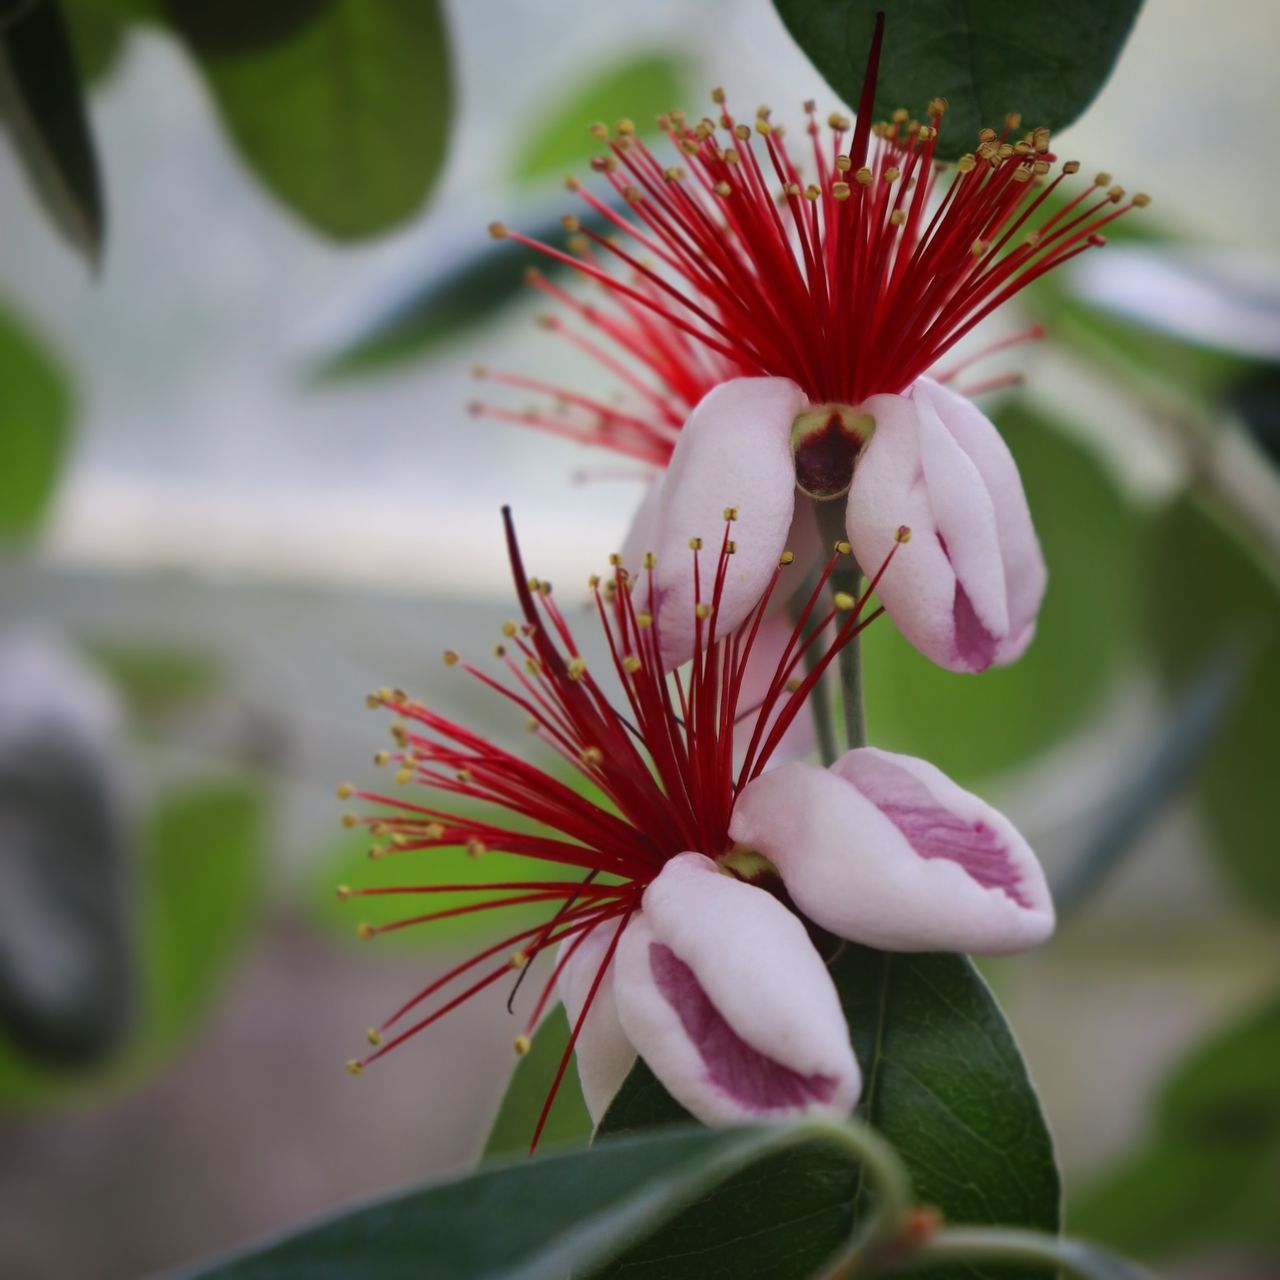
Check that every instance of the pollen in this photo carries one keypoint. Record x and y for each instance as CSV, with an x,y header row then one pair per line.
x,y
522,1045
731,513
373,1037
703,610
644,619
498,230
404,775
342,892
449,658
786,558
843,548
843,601
344,790
518,959
476,848
349,820
903,534
591,756
631,664
365,931
355,1068
382,757
577,668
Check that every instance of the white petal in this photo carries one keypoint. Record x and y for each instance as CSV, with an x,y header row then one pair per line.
x,y
734,451
724,996
642,536
1024,569
799,740
604,1053
886,850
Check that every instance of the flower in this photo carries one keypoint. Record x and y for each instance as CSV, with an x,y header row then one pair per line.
x,y
685,920
832,301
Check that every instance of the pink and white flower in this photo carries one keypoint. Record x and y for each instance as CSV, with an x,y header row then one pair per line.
x,y
779,336
682,883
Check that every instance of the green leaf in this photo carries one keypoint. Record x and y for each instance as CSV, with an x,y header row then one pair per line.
x,y
971,726
517,1118
944,1084
638,89
202,889
1209,1174
566,1214
43,107
986,57
1207,590
341,107
36,410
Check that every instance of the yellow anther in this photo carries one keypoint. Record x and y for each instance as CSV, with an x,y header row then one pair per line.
x,y
731,156
723,189
644,619
892,174
1071,166
533,666
967,163
365,931
843,601
433,831
355,1068
598,130
1013,120
673,173
376,853
399,732
372,701
695,544
476,848
730,513
978,248
786,558
570,223
792,685
812,191
380,829
399,839
1115,194
842,548
571,183
498,230
464,775
381,758
843,163
615,559
1102,180
863,177
592,755
518,959
344,790
404,775
703,610
730,547
1140,200
499,650
631,664
531,723
937,108
577,668
838,122
1022,174
449,658
349,820
650,560
898,217
342,892
521,1044
717,96
625,127
593,582
986,135
903,534
741,132
841,190
373,1036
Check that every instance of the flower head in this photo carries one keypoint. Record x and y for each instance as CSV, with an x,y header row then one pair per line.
x,y
674,918
831,300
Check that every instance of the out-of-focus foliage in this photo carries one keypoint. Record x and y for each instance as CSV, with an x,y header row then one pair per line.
x,y
1208,1175
944,1083
531,1083
199,882
36,408
341,107
984,57
1207,589
970,726
42,105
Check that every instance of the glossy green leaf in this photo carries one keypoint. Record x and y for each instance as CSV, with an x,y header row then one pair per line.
x,y
36,407
639,89
43,107
533,1220
944,1083
974,725
202,893
1207,590
1208,1176
531,1082
341,107
986,57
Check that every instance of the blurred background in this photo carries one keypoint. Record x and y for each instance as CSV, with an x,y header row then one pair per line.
x,y
239,488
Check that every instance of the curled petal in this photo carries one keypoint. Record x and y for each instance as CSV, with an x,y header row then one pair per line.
x,y
966,589
722,993
886,850
602,1049
734,451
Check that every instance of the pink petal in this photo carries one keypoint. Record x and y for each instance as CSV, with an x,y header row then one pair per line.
x,y
603,1052
734,451
724,996
886,850
966,588
800,738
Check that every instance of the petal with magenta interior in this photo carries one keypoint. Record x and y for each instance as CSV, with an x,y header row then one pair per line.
x,y
966,590
733,454
724,996
886,850
604,1053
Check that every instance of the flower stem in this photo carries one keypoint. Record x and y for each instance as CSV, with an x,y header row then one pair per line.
x,y
847,578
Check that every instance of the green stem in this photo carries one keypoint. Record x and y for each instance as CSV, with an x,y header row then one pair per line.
x,y
847,578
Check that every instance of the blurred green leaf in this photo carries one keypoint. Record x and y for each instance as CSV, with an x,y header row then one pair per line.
x,y
534,1219
36,408
202,891
1209,1174
341,107
154,680
517,1118
1206,589
43,107
986,57
97,29
639,89
944,1083
974,725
